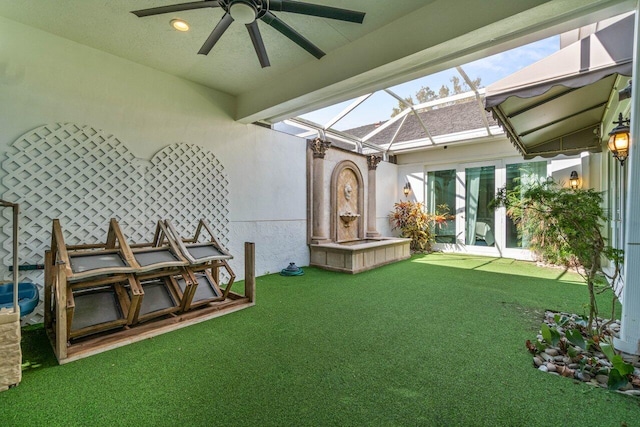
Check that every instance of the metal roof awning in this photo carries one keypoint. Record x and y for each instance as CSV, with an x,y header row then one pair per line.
x,y
556,105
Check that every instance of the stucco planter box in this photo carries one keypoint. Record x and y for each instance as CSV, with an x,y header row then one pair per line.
x,y
10,352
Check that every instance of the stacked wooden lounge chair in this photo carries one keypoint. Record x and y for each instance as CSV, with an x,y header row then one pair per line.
x,y
206,258
96,295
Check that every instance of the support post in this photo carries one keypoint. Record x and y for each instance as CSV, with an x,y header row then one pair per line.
x,y
319,231
629,341
250,271
48,280
372,163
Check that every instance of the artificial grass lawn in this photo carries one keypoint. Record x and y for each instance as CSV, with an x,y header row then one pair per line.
x,y
437,340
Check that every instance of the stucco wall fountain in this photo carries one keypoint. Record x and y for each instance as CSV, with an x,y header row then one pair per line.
x,y
342,202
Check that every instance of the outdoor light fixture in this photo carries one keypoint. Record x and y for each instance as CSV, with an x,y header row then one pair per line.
x,y
574,180
407,189
619,139
179,25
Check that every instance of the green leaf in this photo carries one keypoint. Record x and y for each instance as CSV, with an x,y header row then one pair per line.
x,y
616,380
575,337
607,349
621,366
540,346
550,335
546,332
560,320
572,352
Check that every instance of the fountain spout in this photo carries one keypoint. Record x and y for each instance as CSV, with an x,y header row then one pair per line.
x,y
348,218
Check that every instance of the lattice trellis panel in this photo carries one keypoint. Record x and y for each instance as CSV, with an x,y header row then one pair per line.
x,y
85,177
186,183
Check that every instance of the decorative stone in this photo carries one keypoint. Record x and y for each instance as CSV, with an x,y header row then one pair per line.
x,y
319,148
590,367
583,376
626,387
546,357
372,161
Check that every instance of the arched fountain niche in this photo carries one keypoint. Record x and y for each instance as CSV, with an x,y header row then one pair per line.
x,y
341,212
347,203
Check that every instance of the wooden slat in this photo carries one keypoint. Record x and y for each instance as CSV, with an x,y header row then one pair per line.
x,y
48,281
114,228
58,248
119,338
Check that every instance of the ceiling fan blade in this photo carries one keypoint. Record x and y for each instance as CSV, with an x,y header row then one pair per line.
x,y
272,20
317,10
175,8
215,35
258,44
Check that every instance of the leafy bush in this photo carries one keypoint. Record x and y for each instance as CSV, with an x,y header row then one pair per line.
x,y
418,225
565,227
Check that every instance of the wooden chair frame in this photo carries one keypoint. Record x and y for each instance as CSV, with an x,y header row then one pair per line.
x,y
185,243
170,284
115,244
127,303
211,265
162,241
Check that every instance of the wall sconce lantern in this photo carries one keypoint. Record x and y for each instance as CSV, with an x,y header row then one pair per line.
x,y
619,139
574,180
407,189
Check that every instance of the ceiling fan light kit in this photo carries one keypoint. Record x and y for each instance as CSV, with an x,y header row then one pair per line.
x,y
242,13
249,12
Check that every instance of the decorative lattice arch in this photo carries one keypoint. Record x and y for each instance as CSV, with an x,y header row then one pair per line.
x,y
85,177
185,183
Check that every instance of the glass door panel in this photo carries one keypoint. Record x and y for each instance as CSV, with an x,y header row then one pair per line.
x,y
519,175
479,217
441,196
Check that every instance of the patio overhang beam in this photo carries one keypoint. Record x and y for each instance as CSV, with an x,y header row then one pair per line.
x,y
386,124
359,143
347,110
413,110
395,135
478,97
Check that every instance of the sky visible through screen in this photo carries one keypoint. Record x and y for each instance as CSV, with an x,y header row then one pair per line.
x,y
490,69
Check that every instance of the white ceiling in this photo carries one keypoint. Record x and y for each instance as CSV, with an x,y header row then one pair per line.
x,y
399,40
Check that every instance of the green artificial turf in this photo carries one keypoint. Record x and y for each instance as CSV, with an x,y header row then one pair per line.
x,y
437,340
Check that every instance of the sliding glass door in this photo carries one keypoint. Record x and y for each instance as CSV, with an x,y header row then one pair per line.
x,y
441,196
519,175
480,187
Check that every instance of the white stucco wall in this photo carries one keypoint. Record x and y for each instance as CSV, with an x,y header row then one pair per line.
x,y
46,79
388,192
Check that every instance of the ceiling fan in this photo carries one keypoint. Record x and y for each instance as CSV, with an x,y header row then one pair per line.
x,y
248,12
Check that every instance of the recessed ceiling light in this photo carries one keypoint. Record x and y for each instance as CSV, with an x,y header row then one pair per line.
x,y
179,25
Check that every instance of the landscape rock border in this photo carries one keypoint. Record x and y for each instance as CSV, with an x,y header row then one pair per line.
x,y
589,366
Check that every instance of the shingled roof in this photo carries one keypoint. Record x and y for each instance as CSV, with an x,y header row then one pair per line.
x,y
440,121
